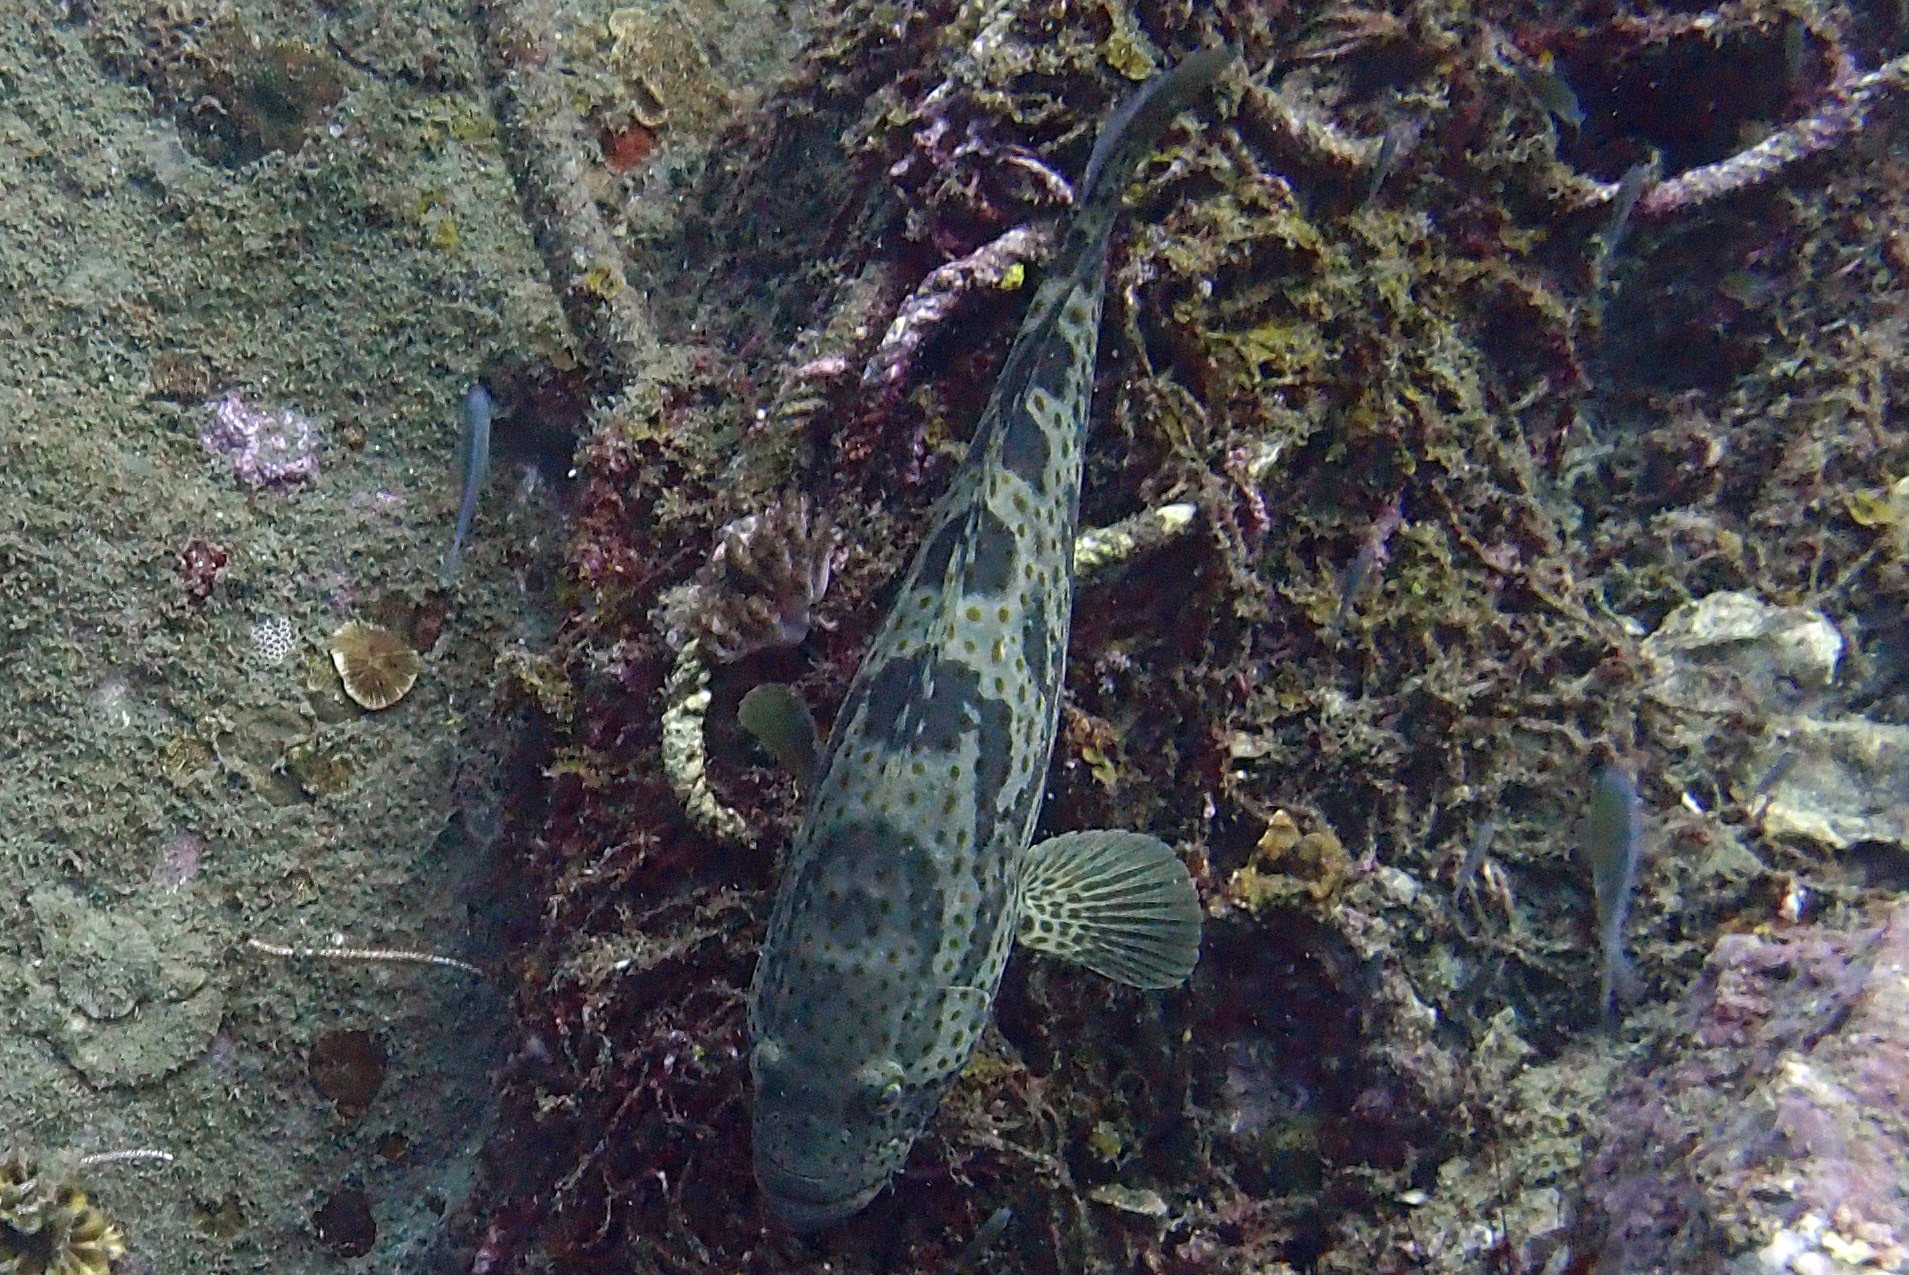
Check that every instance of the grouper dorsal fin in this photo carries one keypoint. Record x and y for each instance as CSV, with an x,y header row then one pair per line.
x,y
1120,903
780,721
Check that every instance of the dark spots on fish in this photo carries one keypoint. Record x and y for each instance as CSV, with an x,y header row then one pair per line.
x,y
931,568
991,554
918,704
947,713
1078,316
885,698
1072,356
1037,647
1025,452
872,876
993,756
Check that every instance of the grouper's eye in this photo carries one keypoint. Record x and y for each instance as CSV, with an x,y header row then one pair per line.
x,y
879,1083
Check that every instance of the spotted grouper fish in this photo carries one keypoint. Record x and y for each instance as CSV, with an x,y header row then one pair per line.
x,y
912,874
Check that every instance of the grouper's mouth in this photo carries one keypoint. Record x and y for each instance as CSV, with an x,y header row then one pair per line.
x,y
804,1203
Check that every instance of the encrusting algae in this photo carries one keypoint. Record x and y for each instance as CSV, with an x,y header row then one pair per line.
x,y
51,1230
377,666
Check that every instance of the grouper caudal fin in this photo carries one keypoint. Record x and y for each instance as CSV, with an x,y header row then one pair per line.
x,y
1068,301
1120,903
1134,130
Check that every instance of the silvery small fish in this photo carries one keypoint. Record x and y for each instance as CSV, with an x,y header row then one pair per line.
x,y
911,875
1630,188
1394,146
1549,89
1612,837
1474,859
474,451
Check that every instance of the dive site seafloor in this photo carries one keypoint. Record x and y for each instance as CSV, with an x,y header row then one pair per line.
x,y
1495,394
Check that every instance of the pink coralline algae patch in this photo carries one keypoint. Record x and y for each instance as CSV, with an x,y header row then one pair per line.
x,y
266,448
1776,1126
178,860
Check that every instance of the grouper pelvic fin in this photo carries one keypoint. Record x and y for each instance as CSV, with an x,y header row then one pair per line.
x,y
1120,903
780,721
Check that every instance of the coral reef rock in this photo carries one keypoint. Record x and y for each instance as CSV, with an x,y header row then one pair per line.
x,y
1773,1138
1731,644
764,579
123,1004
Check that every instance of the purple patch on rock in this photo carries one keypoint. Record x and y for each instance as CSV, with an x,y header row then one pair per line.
x,y
1773,1115
265,448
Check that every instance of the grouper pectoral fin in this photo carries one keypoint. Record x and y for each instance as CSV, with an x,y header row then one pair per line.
x,y
781,723
1120,903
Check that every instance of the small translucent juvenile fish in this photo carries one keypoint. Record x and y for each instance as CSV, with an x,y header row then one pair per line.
x,y
781,723
474,450
1549,89
1372,555
1475,853
1795,49
985,1235
911,875
1630,188
1394,146
1612,837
